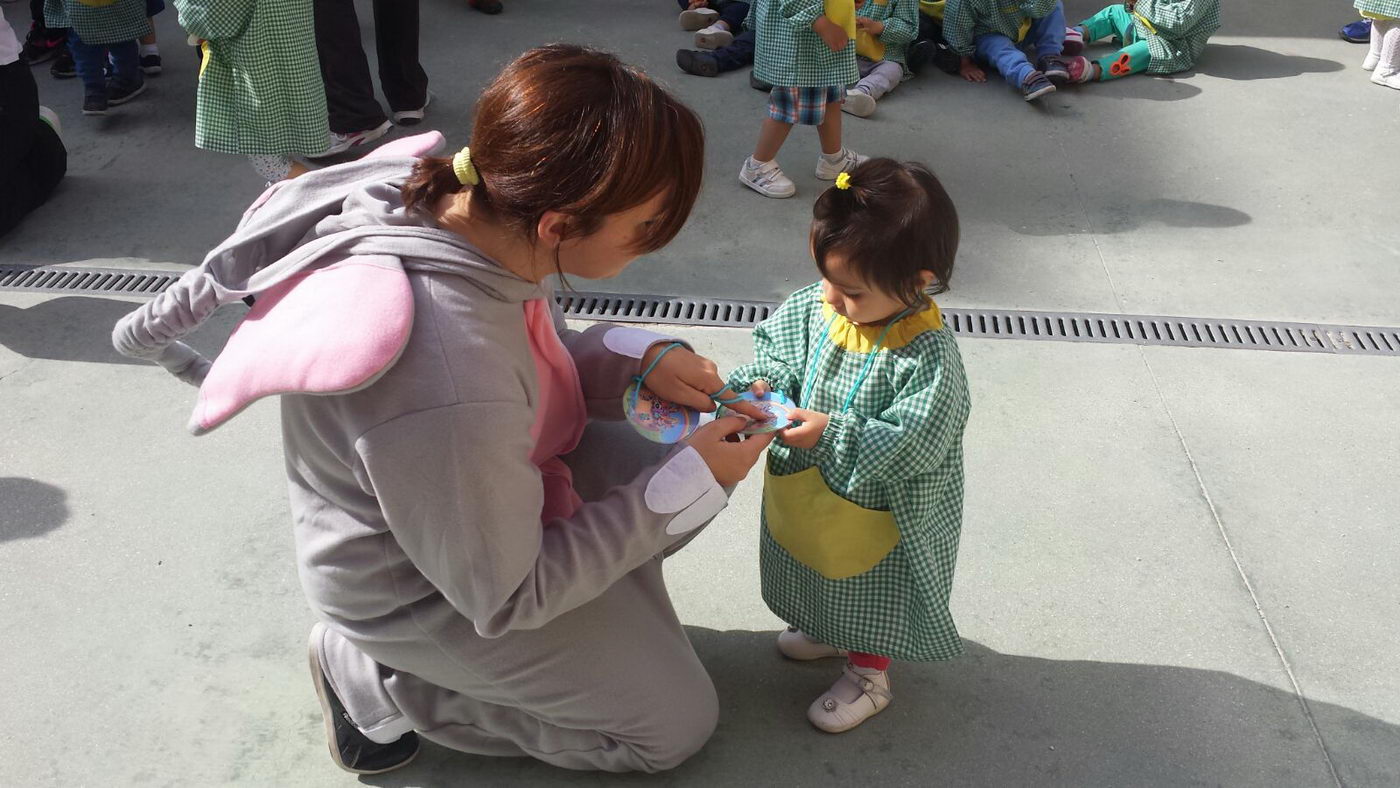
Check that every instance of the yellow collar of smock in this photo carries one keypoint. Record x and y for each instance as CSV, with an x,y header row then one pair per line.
x,y
861,339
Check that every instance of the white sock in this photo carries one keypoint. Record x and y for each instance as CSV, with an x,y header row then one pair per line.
x,y
150,49
832,158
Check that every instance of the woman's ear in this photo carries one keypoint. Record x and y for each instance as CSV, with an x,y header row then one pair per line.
x,y
553,228
929,278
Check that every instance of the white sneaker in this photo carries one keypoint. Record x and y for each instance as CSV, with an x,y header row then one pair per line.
x,y
341,143
412,117
767,178
713,37
858,695
796,644
1370,62
698,18
846,161
1391,80
859,103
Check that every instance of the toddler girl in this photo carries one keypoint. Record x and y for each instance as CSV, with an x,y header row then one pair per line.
x,y
862,502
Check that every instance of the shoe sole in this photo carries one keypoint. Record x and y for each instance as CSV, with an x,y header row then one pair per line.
x,y
318,678
117,102
412,117
151,70
94,112
693,20
771,195
1048,89
794,658
713,41
371,136
699,67
861,107
852,726
63,74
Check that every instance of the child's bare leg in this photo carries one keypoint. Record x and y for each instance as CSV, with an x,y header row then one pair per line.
x,y
829,132
771,138
149,40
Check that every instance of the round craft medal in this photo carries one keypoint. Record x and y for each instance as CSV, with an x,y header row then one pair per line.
x,y
774,403
655,418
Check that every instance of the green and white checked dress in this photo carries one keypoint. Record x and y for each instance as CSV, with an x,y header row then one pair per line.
x,y
788,53
1176,31
260,86
964,21
1379,8
897,451
99,21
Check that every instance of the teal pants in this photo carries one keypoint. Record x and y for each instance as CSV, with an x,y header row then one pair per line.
x,y
1116,22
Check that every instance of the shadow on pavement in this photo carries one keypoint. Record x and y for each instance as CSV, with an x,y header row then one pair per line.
x,y
1124,216
1244,62
30,508
985,719
79,328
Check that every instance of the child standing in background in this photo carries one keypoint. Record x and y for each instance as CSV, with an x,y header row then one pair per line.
x,y
1383,59
804,51
101,34
993,31
862,503
884,30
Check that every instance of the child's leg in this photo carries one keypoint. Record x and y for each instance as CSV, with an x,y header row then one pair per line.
x,y
738,54
863,660
1373,55
90,63
1047,34
1387,71
771,138
1002,54
829,130
880,78
1131,59
1113,21
732,15
126,63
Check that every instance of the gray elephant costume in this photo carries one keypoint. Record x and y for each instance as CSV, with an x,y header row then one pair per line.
x,y
451,608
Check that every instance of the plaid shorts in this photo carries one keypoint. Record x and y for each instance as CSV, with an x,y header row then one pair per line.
x,y
802,106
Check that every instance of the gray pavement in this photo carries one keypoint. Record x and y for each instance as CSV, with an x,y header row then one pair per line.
x,y
1177,565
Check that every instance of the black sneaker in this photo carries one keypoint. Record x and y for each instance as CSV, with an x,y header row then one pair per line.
x,y
150,64
701,64
1035,86
117,93
63,66
920,53
95,104
350,749
40,45
758,84
1054,68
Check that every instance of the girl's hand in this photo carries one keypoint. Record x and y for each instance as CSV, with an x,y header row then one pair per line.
x,y
687,379
872,26
727,457
970,71
760,388
805,435
831,33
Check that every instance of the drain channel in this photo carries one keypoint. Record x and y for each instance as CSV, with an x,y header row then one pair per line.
x,y
719,312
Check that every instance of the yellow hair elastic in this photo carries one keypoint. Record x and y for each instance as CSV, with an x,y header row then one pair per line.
x,y
843,181
464,169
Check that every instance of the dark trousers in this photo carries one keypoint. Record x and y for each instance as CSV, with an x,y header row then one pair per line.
x,y
738,54
731,12
91,60
345,69
32,158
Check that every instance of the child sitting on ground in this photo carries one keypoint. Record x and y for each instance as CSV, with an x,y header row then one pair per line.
x,y
1157,36
715,22
862,503
993,31
713,56
804,52
929,45
884,29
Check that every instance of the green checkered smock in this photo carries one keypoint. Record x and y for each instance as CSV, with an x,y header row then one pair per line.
x,y
788,53
898,449
260,87
901,18
964,21
99,23
1375,8
1176,31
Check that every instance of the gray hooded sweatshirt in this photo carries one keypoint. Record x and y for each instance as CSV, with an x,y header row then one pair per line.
x,y
415,500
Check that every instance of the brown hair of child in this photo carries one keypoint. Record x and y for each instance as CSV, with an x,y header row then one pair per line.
x,y
571,129
893,222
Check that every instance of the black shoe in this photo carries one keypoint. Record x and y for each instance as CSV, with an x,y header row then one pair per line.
x,y
95,104
150,64
919,54
947,61
1055,68
701,64
63,66
40,45
758,84
350,749
117,93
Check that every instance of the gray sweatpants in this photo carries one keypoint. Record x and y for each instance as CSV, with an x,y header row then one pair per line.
x,y
878,77
613,684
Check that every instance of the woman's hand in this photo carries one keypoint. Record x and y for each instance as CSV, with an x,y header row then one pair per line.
x,y
728,458
806,434
831,33
970,71
688,379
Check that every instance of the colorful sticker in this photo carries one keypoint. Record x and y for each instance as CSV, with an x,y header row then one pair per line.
x,y
774,403
656,419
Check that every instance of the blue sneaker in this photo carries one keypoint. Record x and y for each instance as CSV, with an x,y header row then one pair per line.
x,y
1358,32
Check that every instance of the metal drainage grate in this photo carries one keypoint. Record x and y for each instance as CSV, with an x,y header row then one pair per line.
x,y
719,312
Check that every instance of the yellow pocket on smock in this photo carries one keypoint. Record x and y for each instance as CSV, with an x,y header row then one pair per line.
x,y
822,530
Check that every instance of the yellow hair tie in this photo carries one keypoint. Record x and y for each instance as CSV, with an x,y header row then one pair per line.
x,y
464,169
843,181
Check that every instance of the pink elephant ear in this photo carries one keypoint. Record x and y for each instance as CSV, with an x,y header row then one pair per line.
x,y
419,145
328,331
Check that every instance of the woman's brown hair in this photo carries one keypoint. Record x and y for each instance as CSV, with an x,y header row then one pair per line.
x,y
571,129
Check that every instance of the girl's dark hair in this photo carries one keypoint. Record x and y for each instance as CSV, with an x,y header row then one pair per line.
x,y
894,222
571,129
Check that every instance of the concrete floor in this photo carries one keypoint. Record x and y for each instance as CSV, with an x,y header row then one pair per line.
x,y
1177,565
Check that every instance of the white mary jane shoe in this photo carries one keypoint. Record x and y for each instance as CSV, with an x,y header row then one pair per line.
x,y
795,644
831,714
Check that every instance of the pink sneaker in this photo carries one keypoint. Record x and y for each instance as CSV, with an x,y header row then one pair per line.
x,y
1074,41
1080,69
